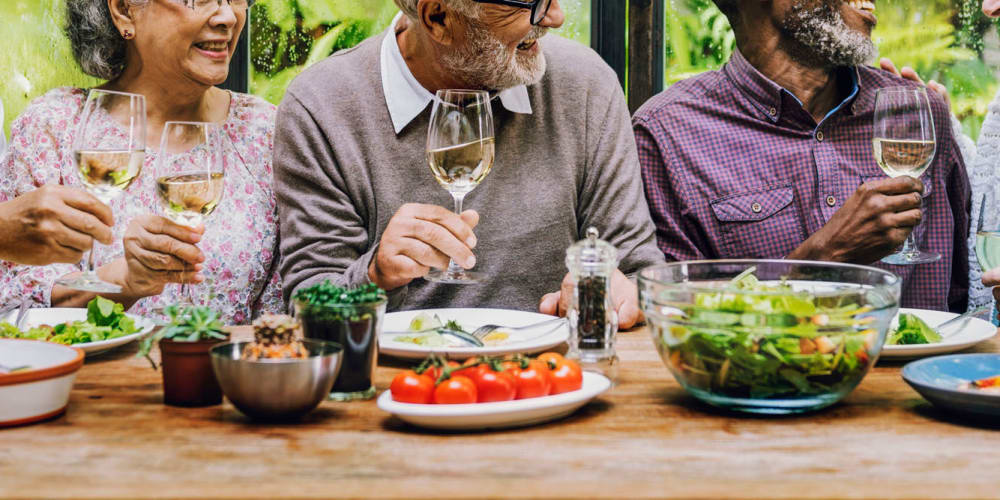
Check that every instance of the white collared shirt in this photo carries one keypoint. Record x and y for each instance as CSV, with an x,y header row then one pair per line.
x,y
407,98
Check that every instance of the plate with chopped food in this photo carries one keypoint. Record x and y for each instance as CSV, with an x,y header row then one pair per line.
x,y
102,326
415,334
913,334
967,383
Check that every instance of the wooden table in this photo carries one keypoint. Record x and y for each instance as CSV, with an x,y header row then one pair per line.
x,y
645,438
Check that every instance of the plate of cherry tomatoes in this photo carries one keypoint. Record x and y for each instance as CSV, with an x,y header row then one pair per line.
x,y
491,393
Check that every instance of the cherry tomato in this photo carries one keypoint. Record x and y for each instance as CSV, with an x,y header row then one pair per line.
x,y
473,368
435,371
551,358
566,377
455,390
408,387
494,386
534,381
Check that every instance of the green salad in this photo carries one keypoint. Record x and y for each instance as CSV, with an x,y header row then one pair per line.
x,y
775,342
105,320
912,330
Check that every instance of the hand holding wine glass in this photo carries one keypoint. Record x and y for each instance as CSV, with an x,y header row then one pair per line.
x,y
904,143
109,149
460,152
190,174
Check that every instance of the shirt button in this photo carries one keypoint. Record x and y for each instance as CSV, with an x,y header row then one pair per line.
x,y
819,136
772,111
830,200
756,208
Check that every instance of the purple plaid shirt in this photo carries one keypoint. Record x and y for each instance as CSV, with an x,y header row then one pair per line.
x,y
735,167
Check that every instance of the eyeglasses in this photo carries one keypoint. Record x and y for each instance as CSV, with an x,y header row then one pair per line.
x,y
210,6
539,8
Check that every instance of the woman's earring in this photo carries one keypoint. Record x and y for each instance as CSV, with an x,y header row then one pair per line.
x,y
127,35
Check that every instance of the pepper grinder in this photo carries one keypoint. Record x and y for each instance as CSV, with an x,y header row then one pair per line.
x,y
593,321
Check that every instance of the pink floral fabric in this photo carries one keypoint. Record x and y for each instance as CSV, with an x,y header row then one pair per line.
x,y
241,237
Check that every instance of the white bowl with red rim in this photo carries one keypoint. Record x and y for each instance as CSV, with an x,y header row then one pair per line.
x,y
41,391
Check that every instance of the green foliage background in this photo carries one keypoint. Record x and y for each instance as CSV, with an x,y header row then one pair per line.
x,y
941,39
290,35
36,56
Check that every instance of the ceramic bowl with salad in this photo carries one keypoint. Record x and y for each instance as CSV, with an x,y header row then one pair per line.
x,y
768,336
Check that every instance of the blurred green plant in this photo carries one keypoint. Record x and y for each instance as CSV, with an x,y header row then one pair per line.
x,y
288,36
36,57
941,39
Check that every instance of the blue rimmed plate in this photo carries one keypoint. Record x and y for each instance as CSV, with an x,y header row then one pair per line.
x,y
940,379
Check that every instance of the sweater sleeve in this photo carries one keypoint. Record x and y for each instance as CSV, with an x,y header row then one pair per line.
x,y
324,232
612,199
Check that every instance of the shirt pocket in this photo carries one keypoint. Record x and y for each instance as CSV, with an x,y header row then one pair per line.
x,y
758,224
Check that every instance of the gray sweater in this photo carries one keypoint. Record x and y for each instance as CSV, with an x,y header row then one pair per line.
x,y
341,172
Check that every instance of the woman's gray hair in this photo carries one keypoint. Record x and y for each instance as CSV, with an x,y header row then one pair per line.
x,y
468,8
98,47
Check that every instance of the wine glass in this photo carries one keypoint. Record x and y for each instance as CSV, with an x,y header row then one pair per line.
x,y
460,151
190,175
109,149
905,144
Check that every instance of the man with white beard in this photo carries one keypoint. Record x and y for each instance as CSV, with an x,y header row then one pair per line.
x,y
359,204
771,157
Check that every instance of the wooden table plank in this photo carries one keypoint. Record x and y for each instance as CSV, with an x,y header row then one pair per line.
x,y
645,438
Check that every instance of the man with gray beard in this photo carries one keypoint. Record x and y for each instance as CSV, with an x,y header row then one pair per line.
x,y
359,204
771,157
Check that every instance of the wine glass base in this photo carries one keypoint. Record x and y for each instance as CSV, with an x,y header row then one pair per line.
x,y
454,277
90,284
912,258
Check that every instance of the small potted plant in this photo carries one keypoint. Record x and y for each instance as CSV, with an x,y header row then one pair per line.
x,y
188,379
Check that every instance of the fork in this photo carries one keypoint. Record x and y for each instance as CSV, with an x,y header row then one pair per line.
x,y
483,331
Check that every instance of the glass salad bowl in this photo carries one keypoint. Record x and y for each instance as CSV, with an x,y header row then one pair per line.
x,y
768,336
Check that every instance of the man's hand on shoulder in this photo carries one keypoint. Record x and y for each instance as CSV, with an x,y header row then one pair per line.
x,y
910,74
624,295
871,224
419,237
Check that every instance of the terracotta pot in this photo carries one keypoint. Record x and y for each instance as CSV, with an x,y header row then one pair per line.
x,y
188,379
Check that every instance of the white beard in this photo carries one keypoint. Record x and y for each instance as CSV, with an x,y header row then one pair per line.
x,y
485,62
825,38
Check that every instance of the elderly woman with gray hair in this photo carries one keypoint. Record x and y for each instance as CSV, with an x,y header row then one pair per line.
x,y
174,52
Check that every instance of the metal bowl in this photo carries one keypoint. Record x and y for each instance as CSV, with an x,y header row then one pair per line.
x,y
277,389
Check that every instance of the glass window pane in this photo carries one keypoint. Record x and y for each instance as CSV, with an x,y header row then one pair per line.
x,y
288,36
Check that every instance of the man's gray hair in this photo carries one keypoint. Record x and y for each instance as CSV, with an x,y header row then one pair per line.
x,y
468,8
98,47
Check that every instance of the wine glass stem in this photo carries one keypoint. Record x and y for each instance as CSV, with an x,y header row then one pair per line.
x,y
453,268
89,269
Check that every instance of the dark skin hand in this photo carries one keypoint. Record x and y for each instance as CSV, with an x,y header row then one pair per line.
x,y
52,224
874,222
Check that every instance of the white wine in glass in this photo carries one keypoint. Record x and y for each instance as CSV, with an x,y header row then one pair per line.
x,y
460,151
987,241
904,143
109,150
190,174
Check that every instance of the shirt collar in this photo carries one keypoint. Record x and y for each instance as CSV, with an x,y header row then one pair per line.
x,y
768,96
407,98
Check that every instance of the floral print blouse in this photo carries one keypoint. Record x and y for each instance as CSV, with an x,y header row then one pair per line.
x,y
241,237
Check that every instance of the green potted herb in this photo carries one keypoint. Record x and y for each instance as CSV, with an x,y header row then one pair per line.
x,y
351,318
188,379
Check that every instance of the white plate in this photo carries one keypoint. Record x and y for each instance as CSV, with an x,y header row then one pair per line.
x,y
974,332
498,415
56,315
470,319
